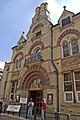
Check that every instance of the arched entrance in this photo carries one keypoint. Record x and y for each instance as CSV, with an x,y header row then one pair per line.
x,y
35,79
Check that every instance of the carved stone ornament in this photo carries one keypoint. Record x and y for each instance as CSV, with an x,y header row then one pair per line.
x,y
71,62
66,32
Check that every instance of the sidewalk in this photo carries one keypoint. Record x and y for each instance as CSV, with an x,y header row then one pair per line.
x,y
37,118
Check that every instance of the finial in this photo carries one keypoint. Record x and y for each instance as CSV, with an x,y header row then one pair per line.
x,y
23,32
64,7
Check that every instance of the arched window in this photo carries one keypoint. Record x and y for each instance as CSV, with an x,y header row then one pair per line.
x,y
18,61
65,49
18,64
38,54
74,46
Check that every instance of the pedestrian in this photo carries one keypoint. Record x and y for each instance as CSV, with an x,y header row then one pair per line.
x,y
43,110
30,108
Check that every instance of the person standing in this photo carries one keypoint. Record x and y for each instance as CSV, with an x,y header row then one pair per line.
x,y
43,110
30,108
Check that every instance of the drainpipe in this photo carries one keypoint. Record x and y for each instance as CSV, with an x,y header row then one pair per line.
x,y
57,85
54,66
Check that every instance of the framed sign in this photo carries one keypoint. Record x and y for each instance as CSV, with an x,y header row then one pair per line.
x,y
49,99
23,100
13,108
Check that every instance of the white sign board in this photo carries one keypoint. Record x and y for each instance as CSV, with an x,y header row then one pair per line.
x,y
13,108
23,100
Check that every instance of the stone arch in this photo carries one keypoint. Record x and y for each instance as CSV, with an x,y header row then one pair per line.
x,y
35,44
66,32
35,71
19,53
39,26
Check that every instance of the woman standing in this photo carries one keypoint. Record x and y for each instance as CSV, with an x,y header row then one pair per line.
x,y
43,110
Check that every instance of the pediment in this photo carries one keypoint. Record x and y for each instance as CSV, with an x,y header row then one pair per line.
x,y
21,39
66,17
65,13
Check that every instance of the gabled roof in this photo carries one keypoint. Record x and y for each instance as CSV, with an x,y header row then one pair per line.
x,y
22,38
65,12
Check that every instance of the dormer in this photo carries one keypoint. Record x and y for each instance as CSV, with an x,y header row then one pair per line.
x,y
21,41
65,18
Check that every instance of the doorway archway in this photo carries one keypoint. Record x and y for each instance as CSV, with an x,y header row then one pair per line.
x,y
34,80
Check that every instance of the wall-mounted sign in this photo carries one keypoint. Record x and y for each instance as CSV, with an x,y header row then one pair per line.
x,y
13,108
23,100
50,99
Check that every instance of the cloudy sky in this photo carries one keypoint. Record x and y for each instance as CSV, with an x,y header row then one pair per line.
x,y
16,17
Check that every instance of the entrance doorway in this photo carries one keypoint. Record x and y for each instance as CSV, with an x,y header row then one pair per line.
x,y
37,98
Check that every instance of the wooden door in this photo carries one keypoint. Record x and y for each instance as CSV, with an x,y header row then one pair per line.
x,y
38,102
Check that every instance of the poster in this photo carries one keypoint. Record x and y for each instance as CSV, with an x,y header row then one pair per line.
x,y
23,100
50,99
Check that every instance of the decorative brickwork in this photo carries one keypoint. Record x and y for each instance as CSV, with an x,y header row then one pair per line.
x,y
71,62
39,26
66,32
35,44
35,72
19,53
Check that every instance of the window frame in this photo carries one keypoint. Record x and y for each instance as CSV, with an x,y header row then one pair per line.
x,y
77,96
65,97
75,46
66,21
38,33
67,49
74,90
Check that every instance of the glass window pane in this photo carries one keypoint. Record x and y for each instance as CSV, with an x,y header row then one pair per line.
x,y
68,96
66,53
68,86
19,63
67,76
74,45
75,50
38,54
65,49
78,85
78,96
77,75
38,33
16,65
66,21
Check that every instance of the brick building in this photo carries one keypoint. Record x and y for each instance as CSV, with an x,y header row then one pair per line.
x,y
46,64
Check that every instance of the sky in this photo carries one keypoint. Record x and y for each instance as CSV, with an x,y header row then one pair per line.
x,y
16,17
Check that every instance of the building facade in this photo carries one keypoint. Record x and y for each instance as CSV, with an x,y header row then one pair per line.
x,y
1,73
46,64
